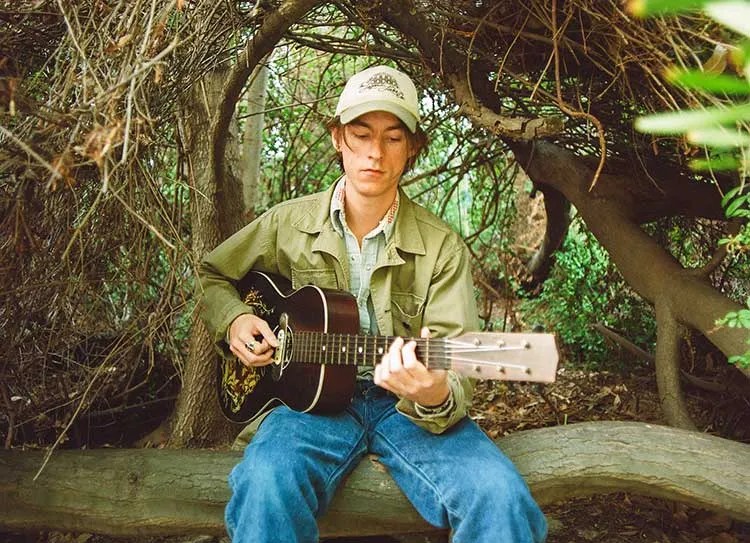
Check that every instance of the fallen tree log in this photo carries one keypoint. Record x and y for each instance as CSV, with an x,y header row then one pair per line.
x,y
171,492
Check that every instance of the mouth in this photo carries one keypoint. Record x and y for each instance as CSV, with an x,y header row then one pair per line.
x,y
372,171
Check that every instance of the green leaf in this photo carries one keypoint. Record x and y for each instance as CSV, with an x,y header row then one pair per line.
x,y
742,360
717,164
717,83
718,137
735,205
736,319
731,193
679,122
734,14
741,54
646,8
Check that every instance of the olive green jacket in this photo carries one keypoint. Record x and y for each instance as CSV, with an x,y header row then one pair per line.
x,y
422,278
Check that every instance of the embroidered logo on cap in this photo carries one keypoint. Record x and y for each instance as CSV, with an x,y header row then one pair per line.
x,y
382,82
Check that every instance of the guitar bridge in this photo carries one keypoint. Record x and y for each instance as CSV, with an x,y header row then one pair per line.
x,y
280,358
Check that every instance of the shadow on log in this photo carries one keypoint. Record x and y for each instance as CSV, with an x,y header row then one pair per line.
x,y
128,492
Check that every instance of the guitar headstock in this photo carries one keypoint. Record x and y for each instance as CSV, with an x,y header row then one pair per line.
x,y
504,356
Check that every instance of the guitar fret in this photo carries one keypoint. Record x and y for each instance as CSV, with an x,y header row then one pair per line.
x,y
341,337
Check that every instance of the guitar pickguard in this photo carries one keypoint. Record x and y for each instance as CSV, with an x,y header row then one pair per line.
x,y
254,299
237,382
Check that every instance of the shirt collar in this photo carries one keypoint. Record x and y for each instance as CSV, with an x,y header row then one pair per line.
x,y
338,213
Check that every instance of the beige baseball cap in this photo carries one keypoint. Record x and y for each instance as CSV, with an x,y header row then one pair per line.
x,y
380,88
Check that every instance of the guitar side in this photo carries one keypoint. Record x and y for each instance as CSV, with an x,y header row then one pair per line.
x,y
246,393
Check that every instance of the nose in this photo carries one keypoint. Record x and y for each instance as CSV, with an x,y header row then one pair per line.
x,y
376,148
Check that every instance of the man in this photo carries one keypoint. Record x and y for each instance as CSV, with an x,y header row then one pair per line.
x,y
409,273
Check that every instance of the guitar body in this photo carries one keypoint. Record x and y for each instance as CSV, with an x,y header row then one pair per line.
x,y
246,393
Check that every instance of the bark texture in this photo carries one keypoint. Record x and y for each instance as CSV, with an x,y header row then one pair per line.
x,y
169,492
197,420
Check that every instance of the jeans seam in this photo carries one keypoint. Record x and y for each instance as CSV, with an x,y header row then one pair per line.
x,y
421,473
345,466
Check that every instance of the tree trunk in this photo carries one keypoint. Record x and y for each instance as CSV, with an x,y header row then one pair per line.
x,y
252,141
197,419
218,206
167,492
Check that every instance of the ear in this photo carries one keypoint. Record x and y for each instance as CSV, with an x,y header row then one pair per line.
x,y
336,139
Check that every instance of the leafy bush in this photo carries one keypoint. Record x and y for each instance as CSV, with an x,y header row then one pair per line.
x,y
584,289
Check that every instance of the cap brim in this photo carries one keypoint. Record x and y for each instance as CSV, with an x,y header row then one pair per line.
x,y
349,114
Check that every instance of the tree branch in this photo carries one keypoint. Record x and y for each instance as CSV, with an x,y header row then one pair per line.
x,y
403,16
263,41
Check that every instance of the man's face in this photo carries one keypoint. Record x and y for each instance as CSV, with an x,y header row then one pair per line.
x,y
374,149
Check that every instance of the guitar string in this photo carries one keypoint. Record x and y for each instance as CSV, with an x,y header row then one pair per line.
x,y
316,345
310,345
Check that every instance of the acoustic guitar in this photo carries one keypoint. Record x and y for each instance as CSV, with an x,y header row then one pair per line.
x,y
320,348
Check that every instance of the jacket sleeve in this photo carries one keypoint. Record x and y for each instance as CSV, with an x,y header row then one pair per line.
x,y
219,301
450,310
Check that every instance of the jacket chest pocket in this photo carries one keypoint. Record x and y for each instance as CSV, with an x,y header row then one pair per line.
x,y
320,277
407,311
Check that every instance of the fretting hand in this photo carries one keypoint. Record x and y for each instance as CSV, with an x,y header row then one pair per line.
x,y
403,374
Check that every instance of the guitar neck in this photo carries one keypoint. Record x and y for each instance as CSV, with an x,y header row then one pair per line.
x,y
483,355
361,350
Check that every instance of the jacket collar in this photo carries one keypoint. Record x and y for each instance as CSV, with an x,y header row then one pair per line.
x,y
315,218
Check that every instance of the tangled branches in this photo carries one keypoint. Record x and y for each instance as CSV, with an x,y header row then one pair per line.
x,y
96,268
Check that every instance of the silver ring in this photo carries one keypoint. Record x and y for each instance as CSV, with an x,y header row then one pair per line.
x,y
251,345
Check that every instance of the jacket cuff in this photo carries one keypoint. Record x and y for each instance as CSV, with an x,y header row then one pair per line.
x,y
440,422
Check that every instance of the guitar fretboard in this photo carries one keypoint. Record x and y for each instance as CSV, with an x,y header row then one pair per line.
x,y
361,350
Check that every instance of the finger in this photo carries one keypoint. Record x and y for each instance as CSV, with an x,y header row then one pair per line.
x,y
265,330
260,355
251,345
264,359
393,358
377,374
383,378
425,333
260,347
409,356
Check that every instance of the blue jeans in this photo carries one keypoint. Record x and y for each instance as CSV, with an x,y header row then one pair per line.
x,y
458,480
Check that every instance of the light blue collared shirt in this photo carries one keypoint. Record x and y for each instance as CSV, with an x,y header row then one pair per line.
x,y
362,259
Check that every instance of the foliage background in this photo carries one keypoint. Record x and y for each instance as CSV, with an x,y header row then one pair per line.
x,y
95,201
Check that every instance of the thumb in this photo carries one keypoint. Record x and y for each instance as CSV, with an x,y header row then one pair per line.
x,y
268,334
